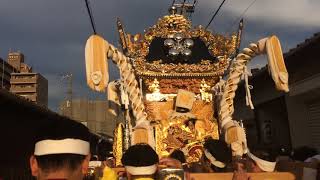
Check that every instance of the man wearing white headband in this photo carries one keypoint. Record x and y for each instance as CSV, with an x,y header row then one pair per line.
x,y
62,151
218,154
261,162
140,162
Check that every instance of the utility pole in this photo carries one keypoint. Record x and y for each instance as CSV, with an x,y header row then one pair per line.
x,y
183,7
2,76
239,36
68,77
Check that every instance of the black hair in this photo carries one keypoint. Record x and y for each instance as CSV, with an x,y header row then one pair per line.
x,y
304,152
182,110
140,155
219,149
178,155
60,129
55,162
63,128
266,154
94,158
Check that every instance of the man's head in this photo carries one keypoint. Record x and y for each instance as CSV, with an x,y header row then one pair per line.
x,y
62,151
190,123
260,161
178,155
217,153
140,160
304,152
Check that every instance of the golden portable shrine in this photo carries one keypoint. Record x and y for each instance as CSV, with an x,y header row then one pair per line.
x,y
178,83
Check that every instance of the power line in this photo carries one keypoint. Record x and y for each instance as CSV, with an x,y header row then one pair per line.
x,y
241,16
91,17
173,2
214,15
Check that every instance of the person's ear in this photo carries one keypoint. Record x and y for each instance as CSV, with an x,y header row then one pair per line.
x,y
85,164
34,166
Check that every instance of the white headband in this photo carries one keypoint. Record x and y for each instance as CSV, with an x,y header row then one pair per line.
x,y
143,170
95,163
213,160
266,166
64,146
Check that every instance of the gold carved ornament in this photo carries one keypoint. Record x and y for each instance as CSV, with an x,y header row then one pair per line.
x,y
174,134
171,85
218,45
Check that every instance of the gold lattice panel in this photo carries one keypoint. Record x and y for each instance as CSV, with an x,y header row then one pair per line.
x,y
174,133
161,111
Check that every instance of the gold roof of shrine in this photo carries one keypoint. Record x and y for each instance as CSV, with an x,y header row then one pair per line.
x,y
219,46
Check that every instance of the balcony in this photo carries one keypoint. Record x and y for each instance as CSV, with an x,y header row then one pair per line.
x,y
19,80
18,89
30,97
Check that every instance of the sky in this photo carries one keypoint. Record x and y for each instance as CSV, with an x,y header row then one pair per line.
x,y
52,33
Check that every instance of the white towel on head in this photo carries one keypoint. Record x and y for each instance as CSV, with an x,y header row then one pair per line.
x,y
142,170
266,166
213,160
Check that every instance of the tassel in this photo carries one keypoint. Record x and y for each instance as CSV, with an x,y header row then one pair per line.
x,y
248,87
276,64
118,144
114,98
96,63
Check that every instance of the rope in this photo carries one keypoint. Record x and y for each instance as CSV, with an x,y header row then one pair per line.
x,y
226,109
98,51
270,46
129,81
236,70
248,87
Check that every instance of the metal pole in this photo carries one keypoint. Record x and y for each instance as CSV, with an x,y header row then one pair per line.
x,y
239,35
70,94
2,74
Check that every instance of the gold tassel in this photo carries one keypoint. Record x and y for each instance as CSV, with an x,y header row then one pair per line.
x,y
118,144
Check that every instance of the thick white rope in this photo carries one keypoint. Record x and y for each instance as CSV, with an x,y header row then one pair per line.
x,y
129,81
226,109
131,86
270,46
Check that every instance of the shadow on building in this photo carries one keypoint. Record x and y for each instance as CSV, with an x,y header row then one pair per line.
x,y
285,120
21,120
92,113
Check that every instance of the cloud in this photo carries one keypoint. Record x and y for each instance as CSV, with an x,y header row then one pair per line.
x,y
290,12
56,87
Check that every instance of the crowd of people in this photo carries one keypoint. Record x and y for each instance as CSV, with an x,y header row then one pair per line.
x,y
62,151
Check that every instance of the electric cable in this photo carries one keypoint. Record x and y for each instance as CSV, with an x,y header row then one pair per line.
x,y
91,17
214,15
241,16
